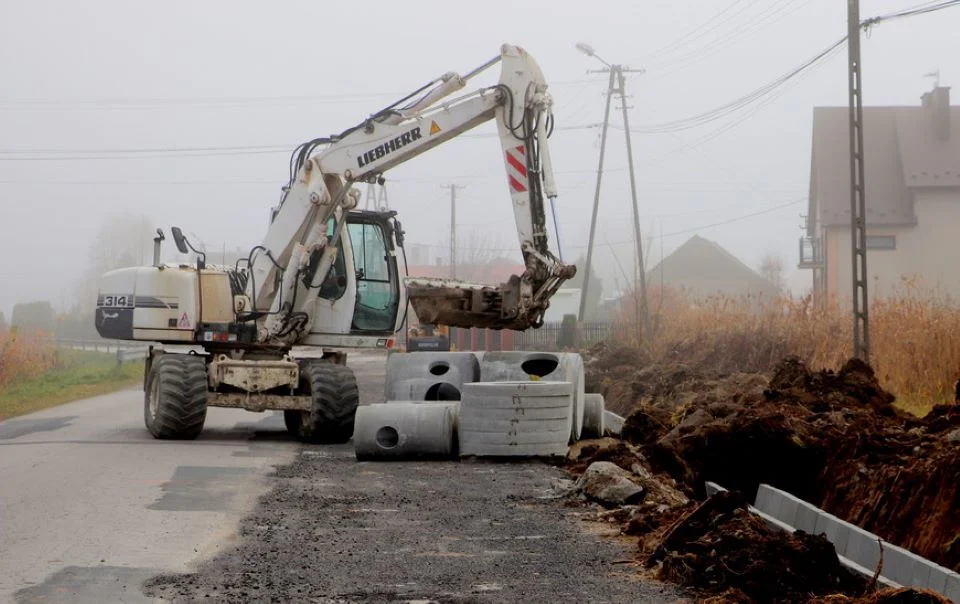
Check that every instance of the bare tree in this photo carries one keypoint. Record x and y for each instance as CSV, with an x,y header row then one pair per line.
x,y
477,249
122,240
771,269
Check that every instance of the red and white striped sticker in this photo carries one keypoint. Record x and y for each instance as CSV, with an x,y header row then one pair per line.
x,y
517,168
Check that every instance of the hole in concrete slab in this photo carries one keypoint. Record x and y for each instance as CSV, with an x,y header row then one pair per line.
x,y
388,437
442,391
439,367
540,365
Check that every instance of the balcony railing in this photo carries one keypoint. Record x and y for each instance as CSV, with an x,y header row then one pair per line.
x,y
811,252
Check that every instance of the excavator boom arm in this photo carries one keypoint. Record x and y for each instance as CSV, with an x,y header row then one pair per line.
x,y
320,192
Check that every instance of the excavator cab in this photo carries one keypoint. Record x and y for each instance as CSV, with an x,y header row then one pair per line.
x,y
373,248
362,294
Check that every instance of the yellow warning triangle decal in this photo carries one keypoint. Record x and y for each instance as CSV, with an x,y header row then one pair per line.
x,y
434,128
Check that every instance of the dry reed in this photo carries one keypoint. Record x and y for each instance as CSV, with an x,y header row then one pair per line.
x,y
24,355
914,347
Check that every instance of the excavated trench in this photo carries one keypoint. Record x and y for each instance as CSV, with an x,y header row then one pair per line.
x,y
834,439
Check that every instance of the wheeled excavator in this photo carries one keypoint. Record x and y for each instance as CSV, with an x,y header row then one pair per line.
x,y
273,331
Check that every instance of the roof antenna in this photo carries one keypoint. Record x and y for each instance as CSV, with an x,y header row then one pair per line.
x,y
935,74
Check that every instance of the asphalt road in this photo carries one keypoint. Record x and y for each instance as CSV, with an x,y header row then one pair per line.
x,y
92,508
91,505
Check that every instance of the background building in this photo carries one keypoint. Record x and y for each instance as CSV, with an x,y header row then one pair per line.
x,y
912,172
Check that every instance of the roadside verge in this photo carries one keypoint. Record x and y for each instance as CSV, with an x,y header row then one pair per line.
x,y
76,375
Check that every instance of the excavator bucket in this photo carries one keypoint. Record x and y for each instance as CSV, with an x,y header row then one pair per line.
x,y
460,304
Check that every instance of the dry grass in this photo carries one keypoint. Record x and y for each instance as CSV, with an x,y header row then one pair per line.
x,y
24,356
35,375
915,339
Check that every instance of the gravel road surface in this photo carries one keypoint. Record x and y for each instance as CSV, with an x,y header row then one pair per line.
x,y
94,510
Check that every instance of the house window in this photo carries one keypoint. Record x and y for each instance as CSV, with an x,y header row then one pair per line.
x,y
881,242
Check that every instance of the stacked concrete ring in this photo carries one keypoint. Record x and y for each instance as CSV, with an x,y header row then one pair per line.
x,y
540,367
429,376
593,416
515,419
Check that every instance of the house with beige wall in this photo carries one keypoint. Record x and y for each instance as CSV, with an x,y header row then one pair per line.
x,y
912,175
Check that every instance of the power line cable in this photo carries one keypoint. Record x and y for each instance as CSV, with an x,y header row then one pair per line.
x,y
166,152
740,102
214,102
769,88
686,231
920,9
37,151
710,24
757,23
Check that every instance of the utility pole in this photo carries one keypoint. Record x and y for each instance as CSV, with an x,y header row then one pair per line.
x,y
636,210
615,85
858,211
377,198
453,228
596,202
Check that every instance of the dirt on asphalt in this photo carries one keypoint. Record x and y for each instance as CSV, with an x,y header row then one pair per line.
x,y
333,529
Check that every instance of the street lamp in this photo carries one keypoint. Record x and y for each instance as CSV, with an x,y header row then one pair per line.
x,y
590,52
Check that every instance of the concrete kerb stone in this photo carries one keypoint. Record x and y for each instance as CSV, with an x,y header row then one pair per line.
x,y
835,530
905,567
867,573
713,488
859,547
953,587
771,521
806,519
768,501
613,423
938,581
773,499
788,509
863,547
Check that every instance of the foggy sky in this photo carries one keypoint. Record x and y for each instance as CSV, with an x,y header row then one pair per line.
x,y
134,75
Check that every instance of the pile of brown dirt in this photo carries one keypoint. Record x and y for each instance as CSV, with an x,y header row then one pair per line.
x,y
628,377
660,491
834,439
721,547
888,596
831,438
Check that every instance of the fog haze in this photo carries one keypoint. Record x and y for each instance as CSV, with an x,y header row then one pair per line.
x,y
262,77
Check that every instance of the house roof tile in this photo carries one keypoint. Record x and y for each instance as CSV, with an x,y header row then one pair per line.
x,y
903,152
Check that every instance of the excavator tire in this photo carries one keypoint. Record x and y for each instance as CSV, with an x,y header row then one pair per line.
x,y
175,401
335,397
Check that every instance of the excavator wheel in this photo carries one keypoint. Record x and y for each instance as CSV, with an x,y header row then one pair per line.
x,y
335,397
175,402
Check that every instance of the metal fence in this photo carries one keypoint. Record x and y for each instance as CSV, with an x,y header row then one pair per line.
x,y
125,355
126,351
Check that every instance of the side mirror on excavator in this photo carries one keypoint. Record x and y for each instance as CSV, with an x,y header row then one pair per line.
x,y
184,247
180,240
